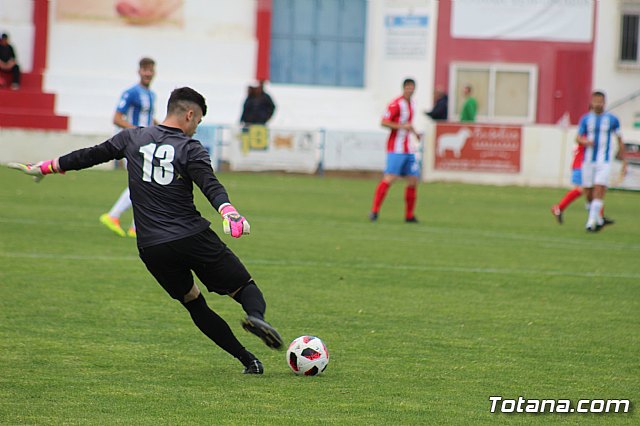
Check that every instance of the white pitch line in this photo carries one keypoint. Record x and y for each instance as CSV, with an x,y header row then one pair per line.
x,y
471,237
366,266
547,243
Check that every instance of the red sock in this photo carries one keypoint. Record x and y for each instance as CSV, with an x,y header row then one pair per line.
x,y
569,198
410,201
378,198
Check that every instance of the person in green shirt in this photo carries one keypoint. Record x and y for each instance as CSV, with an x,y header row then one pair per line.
x,y
470,106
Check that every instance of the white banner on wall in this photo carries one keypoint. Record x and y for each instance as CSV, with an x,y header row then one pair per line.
x,y
552,20
346,150
262,149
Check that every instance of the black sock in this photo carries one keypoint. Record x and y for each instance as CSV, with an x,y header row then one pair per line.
x,y
216,329
252,301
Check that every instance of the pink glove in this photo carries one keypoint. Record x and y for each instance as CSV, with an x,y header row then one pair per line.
x,y
233,222
39,170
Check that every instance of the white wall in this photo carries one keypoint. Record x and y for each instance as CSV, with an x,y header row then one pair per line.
x,y
385,73
31,146
90,64
545,161
617,81
16,19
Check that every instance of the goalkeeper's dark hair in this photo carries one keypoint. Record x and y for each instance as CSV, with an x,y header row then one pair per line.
x,y
181,98
598,93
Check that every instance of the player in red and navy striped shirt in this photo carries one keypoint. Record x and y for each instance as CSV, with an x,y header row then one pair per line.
x,y
401,160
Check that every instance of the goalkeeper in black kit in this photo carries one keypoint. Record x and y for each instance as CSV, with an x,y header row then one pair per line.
x,y
174,240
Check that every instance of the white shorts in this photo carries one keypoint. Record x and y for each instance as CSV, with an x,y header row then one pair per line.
x,y
595,174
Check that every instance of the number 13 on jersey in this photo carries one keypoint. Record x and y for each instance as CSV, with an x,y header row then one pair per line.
x,y
163,172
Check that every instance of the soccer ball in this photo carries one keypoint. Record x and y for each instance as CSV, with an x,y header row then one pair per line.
x,y
307,356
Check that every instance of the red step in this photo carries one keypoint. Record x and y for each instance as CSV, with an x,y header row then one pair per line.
x,y
32,119
27,80
29,107
26,98
31,81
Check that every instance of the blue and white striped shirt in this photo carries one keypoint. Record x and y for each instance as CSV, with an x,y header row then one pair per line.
x,y
599,129
138,104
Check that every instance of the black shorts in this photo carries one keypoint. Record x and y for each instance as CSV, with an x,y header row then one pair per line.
x,y
205,254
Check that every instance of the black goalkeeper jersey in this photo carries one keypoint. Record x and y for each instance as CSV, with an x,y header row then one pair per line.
x,y
162,163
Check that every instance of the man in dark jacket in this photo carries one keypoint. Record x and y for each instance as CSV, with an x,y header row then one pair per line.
x,y
441,107
258,107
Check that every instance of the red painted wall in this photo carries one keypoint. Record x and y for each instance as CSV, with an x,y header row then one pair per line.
x,y
41,25
565,70
263,34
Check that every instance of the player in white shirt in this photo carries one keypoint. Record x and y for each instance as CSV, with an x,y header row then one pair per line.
x,y
595,132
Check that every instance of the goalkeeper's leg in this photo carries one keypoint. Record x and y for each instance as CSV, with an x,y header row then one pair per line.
x,y
252,301
217,329
222,272
175,277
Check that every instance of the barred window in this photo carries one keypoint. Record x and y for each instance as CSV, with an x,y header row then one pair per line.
x,y
318,42
629,37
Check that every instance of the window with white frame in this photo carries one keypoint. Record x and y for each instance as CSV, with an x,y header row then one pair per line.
x,y
629,33
504,92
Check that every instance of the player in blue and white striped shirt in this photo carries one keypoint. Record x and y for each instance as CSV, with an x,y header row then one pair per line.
x,y
135,109
595,132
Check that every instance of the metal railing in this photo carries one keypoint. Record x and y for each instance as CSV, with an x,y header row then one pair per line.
x,y
306,151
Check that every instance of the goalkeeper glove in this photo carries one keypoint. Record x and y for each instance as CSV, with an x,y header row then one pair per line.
x,y
39,170
233,223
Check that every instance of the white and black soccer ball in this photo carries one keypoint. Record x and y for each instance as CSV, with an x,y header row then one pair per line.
x,y
307,356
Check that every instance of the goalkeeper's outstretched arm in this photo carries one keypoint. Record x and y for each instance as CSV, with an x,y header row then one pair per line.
x,y
76,160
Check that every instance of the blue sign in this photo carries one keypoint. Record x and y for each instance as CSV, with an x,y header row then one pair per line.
x,y
406,21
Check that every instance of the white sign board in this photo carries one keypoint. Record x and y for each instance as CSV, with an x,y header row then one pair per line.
x,y
549,20
406,36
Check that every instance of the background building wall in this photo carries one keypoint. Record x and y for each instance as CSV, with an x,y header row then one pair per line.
x,y
616,80
564,68
90,62
214,49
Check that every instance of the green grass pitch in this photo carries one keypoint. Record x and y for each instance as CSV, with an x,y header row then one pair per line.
x,y
488,295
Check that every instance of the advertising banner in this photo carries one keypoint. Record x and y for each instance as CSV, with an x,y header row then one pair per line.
x,y
478,148
130,12
258,148
548,20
